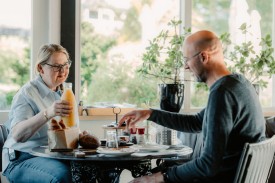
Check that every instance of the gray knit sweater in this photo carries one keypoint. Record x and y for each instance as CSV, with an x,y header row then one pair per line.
x,y
232,117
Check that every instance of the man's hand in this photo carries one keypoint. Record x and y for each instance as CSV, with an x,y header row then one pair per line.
x,y
133,117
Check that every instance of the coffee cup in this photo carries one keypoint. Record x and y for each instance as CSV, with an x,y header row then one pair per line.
x,y
103,142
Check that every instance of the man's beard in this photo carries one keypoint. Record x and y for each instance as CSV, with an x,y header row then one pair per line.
x,y
200,78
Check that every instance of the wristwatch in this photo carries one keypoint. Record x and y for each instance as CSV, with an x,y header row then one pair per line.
x,y
45,114
165,176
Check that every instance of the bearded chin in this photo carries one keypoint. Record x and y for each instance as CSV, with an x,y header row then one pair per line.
x,y
200,79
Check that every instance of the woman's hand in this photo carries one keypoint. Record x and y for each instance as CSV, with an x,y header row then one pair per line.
x,y
23,130
59,108
133,117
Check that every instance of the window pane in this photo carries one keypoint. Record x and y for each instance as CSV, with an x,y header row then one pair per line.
x,y
223,16
15,25
114,35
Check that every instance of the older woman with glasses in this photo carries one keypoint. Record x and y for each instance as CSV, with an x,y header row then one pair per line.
x,y
32,107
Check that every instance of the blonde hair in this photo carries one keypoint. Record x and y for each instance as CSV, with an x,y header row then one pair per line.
x,y
46,51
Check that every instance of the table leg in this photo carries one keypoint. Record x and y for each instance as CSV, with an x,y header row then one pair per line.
x,y
107,172
83,172
140,169
110,171
109,175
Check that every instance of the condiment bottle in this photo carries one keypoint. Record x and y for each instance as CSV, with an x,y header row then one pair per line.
x,y
141,136
68,95
133,137
80,108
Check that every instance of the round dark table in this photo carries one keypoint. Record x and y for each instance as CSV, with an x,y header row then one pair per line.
x,y
94,166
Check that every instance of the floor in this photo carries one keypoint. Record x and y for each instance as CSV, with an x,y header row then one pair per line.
x,y
126,176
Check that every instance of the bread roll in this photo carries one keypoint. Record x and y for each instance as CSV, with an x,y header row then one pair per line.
x,y
89,141
62,125
54,125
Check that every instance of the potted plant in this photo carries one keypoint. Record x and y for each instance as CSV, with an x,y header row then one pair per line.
x,y
163,60
243,58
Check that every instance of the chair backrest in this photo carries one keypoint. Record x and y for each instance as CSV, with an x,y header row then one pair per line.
x,y
270,126
3,137
256,162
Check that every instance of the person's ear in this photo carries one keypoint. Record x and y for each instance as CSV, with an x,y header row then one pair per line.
x,y
204,57
40,68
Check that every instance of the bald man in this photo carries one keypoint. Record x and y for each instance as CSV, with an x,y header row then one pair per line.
x,y
232,117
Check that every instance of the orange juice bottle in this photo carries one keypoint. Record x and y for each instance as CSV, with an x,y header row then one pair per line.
x,y
68,95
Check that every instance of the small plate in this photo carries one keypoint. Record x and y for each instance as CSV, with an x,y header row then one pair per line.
x,y
118,152
88,151
177,147
152,148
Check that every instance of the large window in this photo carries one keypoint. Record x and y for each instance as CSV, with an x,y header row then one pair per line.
x,y
223,16
15,24
114,34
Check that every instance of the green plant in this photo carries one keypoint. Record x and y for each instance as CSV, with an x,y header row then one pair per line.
x,y
244,58
163,58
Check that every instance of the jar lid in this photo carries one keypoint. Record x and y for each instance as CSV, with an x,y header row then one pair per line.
x,y
141,131
133,130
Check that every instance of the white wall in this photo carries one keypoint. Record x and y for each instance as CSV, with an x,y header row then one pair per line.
x,y
45,26
95,127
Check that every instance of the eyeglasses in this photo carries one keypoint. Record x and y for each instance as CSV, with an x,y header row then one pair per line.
x,y
186,59
58,68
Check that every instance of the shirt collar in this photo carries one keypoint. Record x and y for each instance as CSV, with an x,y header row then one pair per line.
x,y
44,90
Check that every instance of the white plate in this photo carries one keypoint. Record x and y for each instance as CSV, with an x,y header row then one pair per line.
x,y
120,152
152,148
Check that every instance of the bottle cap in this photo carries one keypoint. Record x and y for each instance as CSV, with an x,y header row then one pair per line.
x,y
67,85
133,130
141,131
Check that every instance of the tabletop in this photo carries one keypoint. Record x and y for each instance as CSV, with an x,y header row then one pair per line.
x,y
105,168
92,155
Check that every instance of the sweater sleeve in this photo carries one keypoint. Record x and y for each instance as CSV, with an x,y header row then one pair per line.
x,y
176,121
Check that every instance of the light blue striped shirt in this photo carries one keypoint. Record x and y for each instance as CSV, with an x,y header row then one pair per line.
x,y
32,98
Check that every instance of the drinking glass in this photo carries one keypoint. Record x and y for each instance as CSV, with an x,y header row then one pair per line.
x,y
112,141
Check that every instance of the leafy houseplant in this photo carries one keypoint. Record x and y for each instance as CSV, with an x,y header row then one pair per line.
x,y
163,60
244,58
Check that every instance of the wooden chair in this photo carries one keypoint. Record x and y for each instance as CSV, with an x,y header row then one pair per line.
x,y
256,162
270,131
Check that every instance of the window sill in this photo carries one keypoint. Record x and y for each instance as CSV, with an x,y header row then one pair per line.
x,y
113,117
98,118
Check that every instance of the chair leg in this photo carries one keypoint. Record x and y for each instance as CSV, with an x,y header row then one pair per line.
x,y
272,175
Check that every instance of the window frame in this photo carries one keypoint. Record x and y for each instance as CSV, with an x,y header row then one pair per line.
x,y
46,27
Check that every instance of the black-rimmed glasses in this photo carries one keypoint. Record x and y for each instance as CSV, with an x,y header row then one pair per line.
x,y
186,59
58,68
